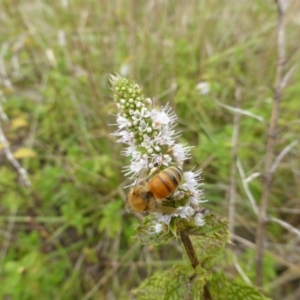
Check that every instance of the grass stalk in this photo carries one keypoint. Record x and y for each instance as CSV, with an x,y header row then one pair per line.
x,y
271,141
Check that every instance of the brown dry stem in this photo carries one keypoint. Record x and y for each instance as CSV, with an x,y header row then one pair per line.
x,y
271,140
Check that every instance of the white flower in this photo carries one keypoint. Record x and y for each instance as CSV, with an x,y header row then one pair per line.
x,y
166,136
192,180
143,126
162,117
147,143
203,87
135,167
166,159
192,186
132,150
126,136
184,211
122,122
158,227
157,159
195,199
140,114
163,218
199,219
180,152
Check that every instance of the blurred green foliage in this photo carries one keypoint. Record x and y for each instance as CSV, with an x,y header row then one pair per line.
x,y
69,235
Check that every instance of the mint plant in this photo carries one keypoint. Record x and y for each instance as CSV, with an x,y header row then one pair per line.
x,y
150,138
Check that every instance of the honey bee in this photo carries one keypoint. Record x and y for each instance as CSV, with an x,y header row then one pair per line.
x,y
148,195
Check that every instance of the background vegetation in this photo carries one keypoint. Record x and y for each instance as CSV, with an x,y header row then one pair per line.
x,y
69,236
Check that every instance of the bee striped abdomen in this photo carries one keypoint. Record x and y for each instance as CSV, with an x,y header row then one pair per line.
x,y
166,182
175,174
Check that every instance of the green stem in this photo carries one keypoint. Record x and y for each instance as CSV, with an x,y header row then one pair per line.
x,y
189,248
29,219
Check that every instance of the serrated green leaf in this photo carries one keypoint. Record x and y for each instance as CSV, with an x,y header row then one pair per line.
x,y
208,250
214,227
153,288
220,288
179,283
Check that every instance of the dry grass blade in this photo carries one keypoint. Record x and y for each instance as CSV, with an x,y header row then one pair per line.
x,y
271,140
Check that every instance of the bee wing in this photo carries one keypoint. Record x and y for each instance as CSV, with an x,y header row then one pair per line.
x,y
142,176
160,208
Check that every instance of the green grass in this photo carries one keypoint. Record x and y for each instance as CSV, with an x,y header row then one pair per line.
x,y
57,238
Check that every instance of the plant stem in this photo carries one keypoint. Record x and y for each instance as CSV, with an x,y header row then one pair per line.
x,y
272,131
233,167
189,248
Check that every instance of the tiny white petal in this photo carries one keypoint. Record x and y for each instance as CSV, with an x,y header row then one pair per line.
x,y
180,152
158,228
199,220
135,167
146,142
122,122
157,159
166,159
203,87
164,218
125,136
143,126
184,211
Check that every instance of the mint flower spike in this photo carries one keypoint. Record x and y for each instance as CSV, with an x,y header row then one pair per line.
x,y
150,139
